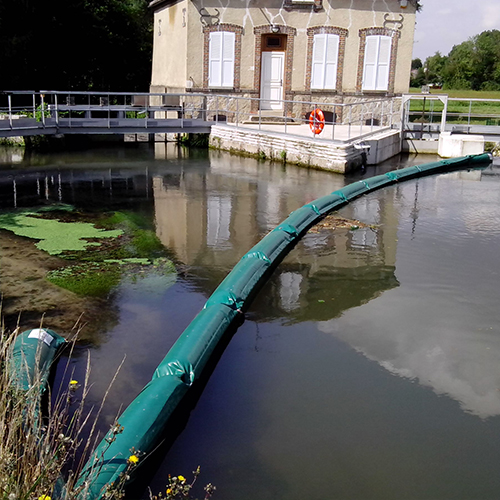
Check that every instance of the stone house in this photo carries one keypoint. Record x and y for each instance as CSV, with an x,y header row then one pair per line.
x,y
294,50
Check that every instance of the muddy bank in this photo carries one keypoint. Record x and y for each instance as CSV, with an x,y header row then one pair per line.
x,y
28,296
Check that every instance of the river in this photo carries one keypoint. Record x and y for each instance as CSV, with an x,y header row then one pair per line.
x,y
368,367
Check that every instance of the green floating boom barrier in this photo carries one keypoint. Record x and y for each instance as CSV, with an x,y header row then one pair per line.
x,y
32,357
30,361
146,418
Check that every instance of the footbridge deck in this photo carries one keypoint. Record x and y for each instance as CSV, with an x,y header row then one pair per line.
x,y
51,112
53,126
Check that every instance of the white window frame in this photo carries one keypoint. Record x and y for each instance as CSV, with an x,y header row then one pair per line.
x,y
324,65
221,59
377,62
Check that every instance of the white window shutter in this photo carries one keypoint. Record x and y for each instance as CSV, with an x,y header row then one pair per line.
x,y
318,61
228,44
331,59
370,70
215,59
377,62
384,60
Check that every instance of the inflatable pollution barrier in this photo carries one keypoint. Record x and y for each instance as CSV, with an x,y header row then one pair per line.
x,y
33,355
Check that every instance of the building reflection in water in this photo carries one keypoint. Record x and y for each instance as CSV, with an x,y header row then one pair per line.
x,y
211,218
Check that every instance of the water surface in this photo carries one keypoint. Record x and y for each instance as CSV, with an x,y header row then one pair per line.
x,y
368,366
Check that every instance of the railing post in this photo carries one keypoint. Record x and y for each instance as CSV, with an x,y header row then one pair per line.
x,y
260,112
237,111
43,109
315,106
361,120
109,112
9,99
34,105
217,108
204,101
350,119
392,111
470,110
444,115
147,113
182,114
333,122
285,107
57,110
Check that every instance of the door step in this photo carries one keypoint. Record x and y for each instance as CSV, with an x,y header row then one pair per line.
x,y
269,119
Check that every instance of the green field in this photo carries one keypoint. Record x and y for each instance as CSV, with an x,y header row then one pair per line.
x,y
468,94
482,113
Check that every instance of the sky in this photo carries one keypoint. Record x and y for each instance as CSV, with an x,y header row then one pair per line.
x,y
444,23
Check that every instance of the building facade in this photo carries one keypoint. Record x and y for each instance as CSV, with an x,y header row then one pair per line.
x,y
275,50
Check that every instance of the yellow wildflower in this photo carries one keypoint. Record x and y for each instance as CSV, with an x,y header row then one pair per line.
x,y
182,479
73,382
44,497
169,491
133,459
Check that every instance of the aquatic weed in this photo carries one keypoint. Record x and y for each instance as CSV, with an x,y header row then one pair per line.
x,y
54,236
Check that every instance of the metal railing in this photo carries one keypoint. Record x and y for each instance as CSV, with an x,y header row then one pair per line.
x,y
343,121
30,112
431,114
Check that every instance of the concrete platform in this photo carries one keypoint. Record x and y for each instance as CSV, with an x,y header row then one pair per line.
x,y
296,144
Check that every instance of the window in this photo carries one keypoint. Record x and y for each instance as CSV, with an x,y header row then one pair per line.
x,y
377,62
324,61
221,59
274,42
221,56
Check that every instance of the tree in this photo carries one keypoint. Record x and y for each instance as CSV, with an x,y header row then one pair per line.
x,y
487,60
75,44
433,68
475,63
416,63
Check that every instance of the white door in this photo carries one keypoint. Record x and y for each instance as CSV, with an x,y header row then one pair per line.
x,y
271,82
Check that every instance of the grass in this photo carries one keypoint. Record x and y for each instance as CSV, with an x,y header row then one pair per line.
x,y
467,94
90,279
34,452
98,279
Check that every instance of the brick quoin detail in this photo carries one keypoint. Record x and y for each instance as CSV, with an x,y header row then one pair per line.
x,y
333,30
233,28
363,33
265,30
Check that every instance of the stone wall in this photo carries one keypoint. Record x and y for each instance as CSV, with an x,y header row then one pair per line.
x,y
311,153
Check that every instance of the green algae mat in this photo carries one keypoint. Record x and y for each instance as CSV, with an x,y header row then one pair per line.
x,y
55,236
99,257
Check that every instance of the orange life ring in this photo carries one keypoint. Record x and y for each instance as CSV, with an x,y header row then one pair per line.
x,y
317,121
